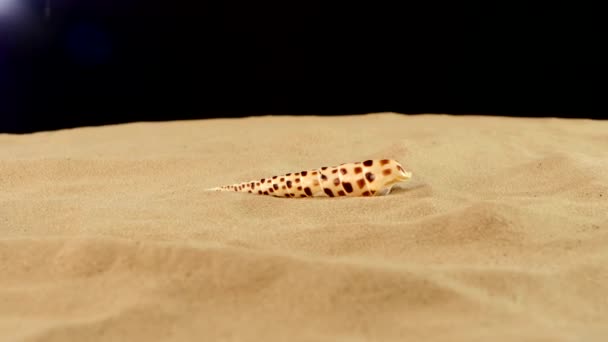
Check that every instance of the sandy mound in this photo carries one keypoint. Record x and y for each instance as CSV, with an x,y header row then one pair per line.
x,y
107,233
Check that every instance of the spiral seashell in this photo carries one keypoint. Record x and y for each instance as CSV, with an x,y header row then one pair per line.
x,y
368,178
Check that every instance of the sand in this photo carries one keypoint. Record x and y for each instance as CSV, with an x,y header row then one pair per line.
x,y
106,233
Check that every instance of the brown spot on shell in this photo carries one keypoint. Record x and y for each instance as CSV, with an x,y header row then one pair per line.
x,y
288,184
324,168
334,170
373,192
302,195
252,185
259,192
370,177
343,171
314,173
283,187
387,172
328,192
358,169
262,180
307,191
368,163
270,190
315,182
297,180
366,193
361,183
347,186
299,188
250,191
384,161
296,174
287,175
336,181
323,177
304,173
268,181
274,177
265,192
275,186
341,193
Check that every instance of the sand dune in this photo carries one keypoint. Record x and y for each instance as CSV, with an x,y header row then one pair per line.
x,y
106,233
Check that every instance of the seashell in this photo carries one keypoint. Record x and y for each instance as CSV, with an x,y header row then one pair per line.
x,y
368,178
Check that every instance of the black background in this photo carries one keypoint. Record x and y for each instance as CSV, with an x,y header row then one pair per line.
x,y
97,62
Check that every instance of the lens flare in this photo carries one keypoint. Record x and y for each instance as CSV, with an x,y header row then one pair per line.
x,y
16,18
8,7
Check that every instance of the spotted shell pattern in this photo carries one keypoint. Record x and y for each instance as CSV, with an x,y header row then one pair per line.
x,y
368,178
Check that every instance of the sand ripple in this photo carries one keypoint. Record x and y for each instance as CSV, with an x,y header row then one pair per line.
x,y
502,234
